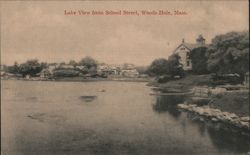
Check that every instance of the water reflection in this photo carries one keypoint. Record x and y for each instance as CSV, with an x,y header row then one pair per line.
x,y
88,98
223,137
168,104
228,140
200,124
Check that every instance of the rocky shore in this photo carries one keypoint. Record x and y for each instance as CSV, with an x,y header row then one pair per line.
x,y
216,115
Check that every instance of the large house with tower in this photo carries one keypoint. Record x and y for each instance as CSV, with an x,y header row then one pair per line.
x,y
184,49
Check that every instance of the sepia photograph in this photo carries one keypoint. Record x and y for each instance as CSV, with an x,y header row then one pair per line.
x,y
125,77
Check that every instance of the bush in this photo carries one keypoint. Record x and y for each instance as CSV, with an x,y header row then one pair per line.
x,y
226,79
66,73
158,67
174,66
164,78
171,67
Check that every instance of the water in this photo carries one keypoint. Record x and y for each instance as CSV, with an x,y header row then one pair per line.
x,y
40,117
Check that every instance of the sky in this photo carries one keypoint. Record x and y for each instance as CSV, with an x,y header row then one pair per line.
x,y
41,30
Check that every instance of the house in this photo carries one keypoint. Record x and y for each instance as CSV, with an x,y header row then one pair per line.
x,y
52,67
27,76
128,66
184,49
81,67
45,73
129,73
108,69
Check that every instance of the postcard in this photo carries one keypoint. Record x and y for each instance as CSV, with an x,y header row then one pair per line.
x,y
125,77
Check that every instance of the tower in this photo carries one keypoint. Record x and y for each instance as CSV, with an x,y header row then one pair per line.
x,y
200,40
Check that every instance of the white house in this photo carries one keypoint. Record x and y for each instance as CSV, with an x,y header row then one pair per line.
x,y
108,69
129,72
45,73
81,67
184,49
52,67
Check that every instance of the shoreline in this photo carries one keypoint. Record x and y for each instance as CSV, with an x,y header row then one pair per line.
x,y
85,79
226,107
217,116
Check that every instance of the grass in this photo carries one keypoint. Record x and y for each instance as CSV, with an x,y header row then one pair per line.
x,y
235,102
185,83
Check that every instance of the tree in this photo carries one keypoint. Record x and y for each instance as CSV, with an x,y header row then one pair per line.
x,y
62,63
31,67
229,53
89,63
141,69
199,58
174,66
158,67
13,69
171,67
44,65
73,63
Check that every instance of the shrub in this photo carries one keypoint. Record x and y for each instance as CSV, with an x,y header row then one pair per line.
x,y
66,73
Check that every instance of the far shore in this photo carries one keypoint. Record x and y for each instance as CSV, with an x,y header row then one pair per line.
x,y
81,79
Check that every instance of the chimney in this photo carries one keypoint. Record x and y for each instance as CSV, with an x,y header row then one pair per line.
x,y
183,40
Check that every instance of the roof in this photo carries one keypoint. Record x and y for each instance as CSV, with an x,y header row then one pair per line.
x,y
190,46
45,70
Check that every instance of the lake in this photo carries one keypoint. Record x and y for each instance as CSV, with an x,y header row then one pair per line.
x,y
106,117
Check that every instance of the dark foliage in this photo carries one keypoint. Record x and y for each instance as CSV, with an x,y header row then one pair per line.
x,y
174,66
170,67
66,73
89,62
158,67
199,59
229,53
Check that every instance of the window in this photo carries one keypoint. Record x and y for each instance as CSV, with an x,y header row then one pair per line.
x,y
188,53
182,48
188,63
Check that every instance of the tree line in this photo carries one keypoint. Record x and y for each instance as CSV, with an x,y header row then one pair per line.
x,y
227,53
33,66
